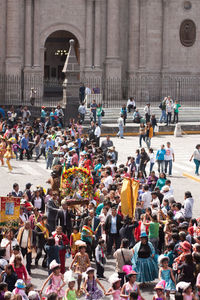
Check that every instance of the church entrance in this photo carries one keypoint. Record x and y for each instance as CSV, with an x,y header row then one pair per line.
x,y
56,49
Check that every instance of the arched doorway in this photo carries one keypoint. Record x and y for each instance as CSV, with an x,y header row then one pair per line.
x,y
56,48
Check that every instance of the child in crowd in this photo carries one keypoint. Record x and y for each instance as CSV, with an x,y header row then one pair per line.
x,y
75,236
56,280
81,262
166,274
131,286
70,293
49,158
90,286
170,254
100,258
160,291
20,289
115,290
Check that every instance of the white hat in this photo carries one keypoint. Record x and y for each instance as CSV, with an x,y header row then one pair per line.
x,y
53,265
161,257
68,276
32,295
182,286
114,278
80,243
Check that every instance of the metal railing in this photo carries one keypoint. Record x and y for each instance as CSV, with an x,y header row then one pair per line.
x,y
15,90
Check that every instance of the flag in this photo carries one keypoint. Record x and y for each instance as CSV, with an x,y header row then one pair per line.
x,y
129,195
63,171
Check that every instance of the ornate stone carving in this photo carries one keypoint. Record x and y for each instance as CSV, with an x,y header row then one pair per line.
x,y
188,33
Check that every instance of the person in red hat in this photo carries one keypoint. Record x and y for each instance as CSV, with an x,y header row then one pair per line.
x,y
186,249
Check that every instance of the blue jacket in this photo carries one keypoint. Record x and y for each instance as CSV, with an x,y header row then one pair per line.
x,y
24,143
160,155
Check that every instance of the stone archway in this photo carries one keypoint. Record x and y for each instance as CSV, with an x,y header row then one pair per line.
x,y
55,51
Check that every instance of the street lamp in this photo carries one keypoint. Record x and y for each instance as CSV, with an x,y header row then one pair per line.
x,y
71,42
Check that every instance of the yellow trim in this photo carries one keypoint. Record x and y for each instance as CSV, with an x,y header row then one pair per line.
x,y
158,133
191,177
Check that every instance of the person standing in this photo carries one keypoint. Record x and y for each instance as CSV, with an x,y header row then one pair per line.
x,y
24,147
99,114
169,157
43,114
176,111
188,206
65,217
93,108
82,111
24,239
142,134
169,108
42,234
97,134
52,209
120,123
196,156
124,113
144,158
147,111
160,156
113,225
162,106
82,93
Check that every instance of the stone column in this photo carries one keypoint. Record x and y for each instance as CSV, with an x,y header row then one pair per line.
x,y
133,50
97,37
13,61
36,36
89,34
28,33
143,34
113,63
165,36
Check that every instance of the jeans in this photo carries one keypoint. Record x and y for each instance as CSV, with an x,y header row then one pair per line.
x,y
169,118
148,142
142,137
161,164
163,116
151,167
175,117
170,166
197,164
113,238
99,120
121,131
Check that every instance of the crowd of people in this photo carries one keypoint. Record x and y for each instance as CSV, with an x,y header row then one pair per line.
x,y
161,242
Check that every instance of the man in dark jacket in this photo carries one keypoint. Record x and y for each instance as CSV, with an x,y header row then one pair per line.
x,y
113,225
65,217
52,211
41,235
16,192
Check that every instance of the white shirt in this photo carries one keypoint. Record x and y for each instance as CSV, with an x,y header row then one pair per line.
x,y
108,181
120,121
157,202
97,131
196,154
168,154
146,198
171,190
147,110
179,214
87,91
38,203
152,158
24,239
129,102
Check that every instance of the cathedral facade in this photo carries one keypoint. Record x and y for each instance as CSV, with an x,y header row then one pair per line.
x,y
113,38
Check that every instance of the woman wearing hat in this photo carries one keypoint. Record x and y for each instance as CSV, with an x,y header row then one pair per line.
x,y
143,260
2,149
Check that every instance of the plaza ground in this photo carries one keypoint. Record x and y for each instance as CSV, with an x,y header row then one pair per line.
x,y
36,173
